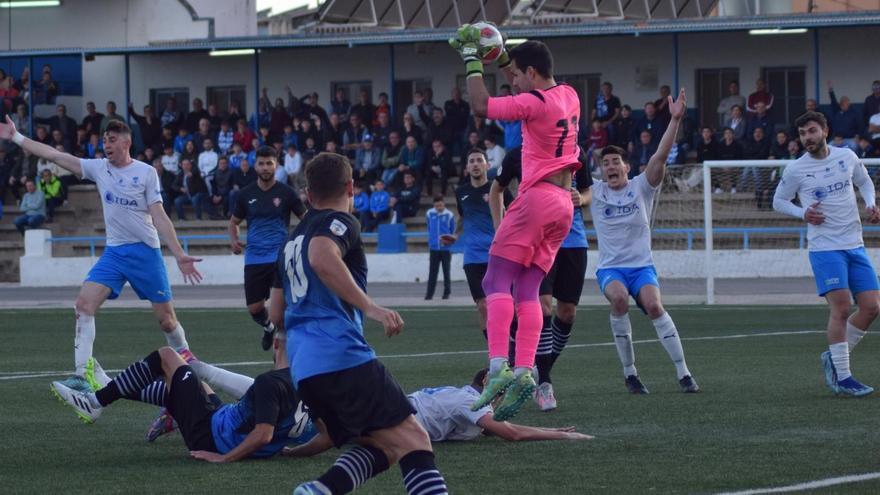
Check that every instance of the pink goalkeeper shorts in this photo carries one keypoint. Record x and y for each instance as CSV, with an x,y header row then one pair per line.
x,y
535,226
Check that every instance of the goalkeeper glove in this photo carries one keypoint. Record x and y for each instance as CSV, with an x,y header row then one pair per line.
x,y
467,43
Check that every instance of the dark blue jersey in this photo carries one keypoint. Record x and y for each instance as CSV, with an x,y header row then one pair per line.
x,y
324,333
511,168
270,400
268,217
476,217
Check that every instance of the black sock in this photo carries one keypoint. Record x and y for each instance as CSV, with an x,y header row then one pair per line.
x,y
511,344
420,474
132,380
561,333
262,319
543,361
353,468
154,393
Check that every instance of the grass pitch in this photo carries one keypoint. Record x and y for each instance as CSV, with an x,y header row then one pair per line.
x,y
764,419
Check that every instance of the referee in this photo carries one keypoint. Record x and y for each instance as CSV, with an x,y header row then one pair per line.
x,y
266,205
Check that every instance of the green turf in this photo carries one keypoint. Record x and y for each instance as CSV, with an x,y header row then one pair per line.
x,y
764,419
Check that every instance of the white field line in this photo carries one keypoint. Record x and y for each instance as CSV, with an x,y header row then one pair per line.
x,y
810,485
21,375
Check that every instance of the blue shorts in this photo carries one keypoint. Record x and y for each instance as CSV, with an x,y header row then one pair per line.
x,y
845,269
631,278
139,265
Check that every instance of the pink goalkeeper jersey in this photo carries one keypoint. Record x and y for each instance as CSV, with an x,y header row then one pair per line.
x,y
550,128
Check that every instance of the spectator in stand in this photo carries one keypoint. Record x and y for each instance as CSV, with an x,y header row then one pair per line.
x,y
51,187
22,84
170,115
607,110
45,90
293,165
457,113
761,119
662,105
474,141
482,127
310,150
58,139
872,103
439,166
236,157
208,159
9,94
191,190
331,147
725,106
242,176
262,117
340,104
221,187
391,157
289,137
495,153
311,110
307,130
22,170
166,182
183,137
43,136
80,141
863,150
61,122
244,136
170,160
622,128
512,130
410,129
441,222
111,115
651,123
33,207
379,208
150,127
837,141
149,154
7,166
597,141
278,118
794,150
756,148
353,137
367,162
382,107
21,120
360,200
874,130
94,146
334,130
167,137
405,203
439,128
214,119
418,111
194,117
761,95
844,119
190,153
225,138
382,131
233,114
643,150
203,133
728,149
707,147
738,123
412,158
364,108
779,148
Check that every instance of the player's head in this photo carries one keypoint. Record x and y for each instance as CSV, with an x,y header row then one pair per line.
x,y
266,163
615,166
531,63
479,379
328,178
477,163
439,203
279,348
813,131
117,142
409,178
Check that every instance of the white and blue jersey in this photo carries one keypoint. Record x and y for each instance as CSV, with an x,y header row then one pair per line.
x,y
439,224
324,333
270,400
445,412
268,218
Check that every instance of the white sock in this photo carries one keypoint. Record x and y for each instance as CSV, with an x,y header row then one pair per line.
x,y
495,365
840,358
83,342
853,335
521,370
176,338
668,336
621,329
232,383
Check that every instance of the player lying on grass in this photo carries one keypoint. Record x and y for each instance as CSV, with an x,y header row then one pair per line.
x,y
267,418
445,412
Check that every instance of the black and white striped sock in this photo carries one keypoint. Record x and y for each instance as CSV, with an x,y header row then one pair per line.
x,y
132,380
543,356
353,468
561,333
154,393
420,474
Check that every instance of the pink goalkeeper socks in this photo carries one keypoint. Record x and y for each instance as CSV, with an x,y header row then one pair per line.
x,y
530,318
500,309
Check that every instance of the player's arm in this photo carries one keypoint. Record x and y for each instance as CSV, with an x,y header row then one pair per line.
x,y
866,188
785,193
277,306
234,242
254,441
46,152
519,433
656,168
496,202
318,444
185,262
325,258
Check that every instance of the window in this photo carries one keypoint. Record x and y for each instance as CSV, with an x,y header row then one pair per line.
x,y
222,96
159,96
587,87
712,87
404,89
351,89
789,88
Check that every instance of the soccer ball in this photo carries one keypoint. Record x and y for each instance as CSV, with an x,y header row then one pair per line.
x,y
491,42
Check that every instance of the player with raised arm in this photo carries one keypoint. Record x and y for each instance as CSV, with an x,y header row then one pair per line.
x,y
621,211
564,282
537,222
823,179
321,302
132,202
266,205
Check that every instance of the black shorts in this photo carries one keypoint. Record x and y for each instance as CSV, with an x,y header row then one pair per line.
x,y
258,281
565,280
192,409
355,401
474,272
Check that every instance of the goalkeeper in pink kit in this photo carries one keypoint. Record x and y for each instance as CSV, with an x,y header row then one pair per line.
x,y
538,220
